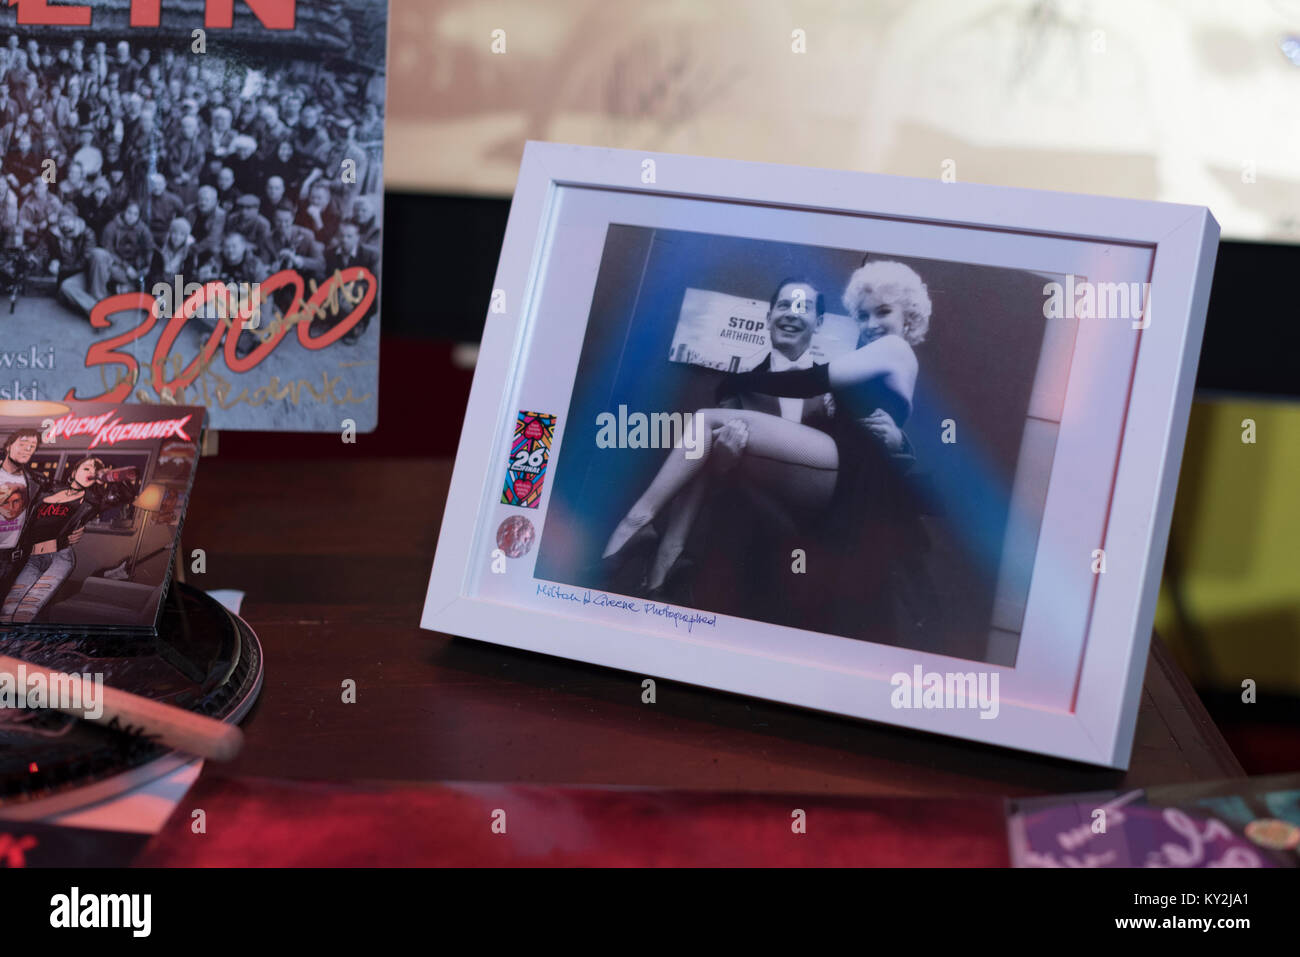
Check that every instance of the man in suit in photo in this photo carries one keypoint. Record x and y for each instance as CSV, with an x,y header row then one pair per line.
x,y
744,540
795,315
731,520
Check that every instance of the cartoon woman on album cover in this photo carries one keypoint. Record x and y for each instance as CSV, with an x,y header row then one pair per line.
x,y
56,520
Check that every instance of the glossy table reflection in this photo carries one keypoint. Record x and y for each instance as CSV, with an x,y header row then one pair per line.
x,y
334,556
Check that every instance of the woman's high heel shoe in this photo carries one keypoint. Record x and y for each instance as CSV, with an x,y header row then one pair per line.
x,y
678,585
639,546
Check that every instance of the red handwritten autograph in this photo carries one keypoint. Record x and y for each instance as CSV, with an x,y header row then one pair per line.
x,y
105,352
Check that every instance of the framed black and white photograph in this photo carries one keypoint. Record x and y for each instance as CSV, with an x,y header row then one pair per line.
x,y
898,449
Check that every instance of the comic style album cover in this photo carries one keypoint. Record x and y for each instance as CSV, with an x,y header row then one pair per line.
x,y
190,206
92,497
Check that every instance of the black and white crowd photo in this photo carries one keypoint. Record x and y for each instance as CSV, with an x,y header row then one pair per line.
x,y
136,157
851,426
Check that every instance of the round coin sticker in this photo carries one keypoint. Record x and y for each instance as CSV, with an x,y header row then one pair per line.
x,y
515,536
1274,834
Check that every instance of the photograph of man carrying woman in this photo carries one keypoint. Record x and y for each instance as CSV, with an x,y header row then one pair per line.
x,y
822,495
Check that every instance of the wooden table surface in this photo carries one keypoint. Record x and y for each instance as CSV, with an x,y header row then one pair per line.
x,y
334,556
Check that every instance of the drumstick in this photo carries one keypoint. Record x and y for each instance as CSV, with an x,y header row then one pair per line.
x,y
171,726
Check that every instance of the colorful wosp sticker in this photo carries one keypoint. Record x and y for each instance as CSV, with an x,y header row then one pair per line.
x,y
528,454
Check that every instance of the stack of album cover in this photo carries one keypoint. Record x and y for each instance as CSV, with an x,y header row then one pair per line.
x,y
193,239
92,500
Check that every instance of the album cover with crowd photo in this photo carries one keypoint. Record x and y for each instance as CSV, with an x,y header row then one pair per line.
x,y
190,209
92,498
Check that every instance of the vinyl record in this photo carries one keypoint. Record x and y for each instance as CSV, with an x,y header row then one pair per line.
x,y
204,659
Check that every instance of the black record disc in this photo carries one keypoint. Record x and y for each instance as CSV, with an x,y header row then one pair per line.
x,y
204,659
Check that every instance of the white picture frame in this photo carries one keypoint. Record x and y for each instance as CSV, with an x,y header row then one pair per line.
x,y
1073,689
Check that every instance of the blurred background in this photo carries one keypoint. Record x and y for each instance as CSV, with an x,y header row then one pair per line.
x,y
1185,101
